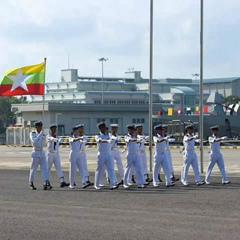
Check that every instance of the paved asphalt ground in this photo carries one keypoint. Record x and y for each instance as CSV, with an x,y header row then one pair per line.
x,y
204,212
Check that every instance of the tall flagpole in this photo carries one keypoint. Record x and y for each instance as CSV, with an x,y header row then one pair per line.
x,y
43,110
150,86
201,87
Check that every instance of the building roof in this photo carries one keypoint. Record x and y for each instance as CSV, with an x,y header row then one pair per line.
x,y
221,80
182,90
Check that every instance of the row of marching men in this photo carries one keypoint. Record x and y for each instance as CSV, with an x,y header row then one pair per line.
x,y
109,154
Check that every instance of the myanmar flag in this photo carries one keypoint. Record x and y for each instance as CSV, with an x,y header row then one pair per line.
x,y
28,80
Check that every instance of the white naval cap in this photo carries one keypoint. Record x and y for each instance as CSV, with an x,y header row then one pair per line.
x,y
138,126
114,125
79,125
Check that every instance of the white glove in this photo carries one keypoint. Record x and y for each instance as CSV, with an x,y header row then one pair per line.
x,y
181,150
147,138
195,137
166,138
171,140
198,141
124,150
224,138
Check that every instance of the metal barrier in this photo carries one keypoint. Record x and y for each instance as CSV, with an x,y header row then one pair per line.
x,y
18,136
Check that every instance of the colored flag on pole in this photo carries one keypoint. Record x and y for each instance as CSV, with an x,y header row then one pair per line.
x,y
205,109
159,113
170,111
28,80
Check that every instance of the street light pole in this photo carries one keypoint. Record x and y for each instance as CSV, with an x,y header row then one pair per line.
x,y
150,85
102,60
201,87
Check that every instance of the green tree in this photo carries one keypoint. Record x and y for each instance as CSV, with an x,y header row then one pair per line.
x,y
6,116
231,100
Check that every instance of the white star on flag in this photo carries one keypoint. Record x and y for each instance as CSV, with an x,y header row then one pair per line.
x,y
19,80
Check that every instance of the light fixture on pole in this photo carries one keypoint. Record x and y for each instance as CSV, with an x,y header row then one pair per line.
x,y
102,60
196,75
150,86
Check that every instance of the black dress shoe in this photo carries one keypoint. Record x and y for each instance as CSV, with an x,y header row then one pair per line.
x,y
74,184
31,187
120,183
149,180
174,179
85,185
133,179
48,185
88,182
64,184
159,178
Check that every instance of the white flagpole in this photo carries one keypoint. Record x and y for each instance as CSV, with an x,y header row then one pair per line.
x,y
43,110
150,86
201,88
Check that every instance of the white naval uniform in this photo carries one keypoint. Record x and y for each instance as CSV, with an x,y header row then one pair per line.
x,y
169,156
142,153
116,154
83,155
104,158
53,156
189,158
215,156
160,160
75,161
133,160
38,156
142,157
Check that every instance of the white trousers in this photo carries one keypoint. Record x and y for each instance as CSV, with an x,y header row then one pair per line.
x,y
54,158
143,161
76,163
169,160
83,157
36,161
133,161
104,159
190,159
215,158
160,160
116,158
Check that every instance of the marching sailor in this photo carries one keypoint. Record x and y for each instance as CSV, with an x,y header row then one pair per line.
x,y
142,151
83,156
190,157
104,158
160,158
215,156
132,158
38,157
53,156
76,160
115,152
168,153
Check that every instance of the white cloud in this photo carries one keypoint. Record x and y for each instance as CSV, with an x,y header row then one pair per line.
x,y
119,30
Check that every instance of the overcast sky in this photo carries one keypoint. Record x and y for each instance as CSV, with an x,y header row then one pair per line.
x,y
119,30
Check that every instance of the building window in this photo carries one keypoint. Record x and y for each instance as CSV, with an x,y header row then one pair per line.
x,y
97,101
138,120
113,120
101,120
176,102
